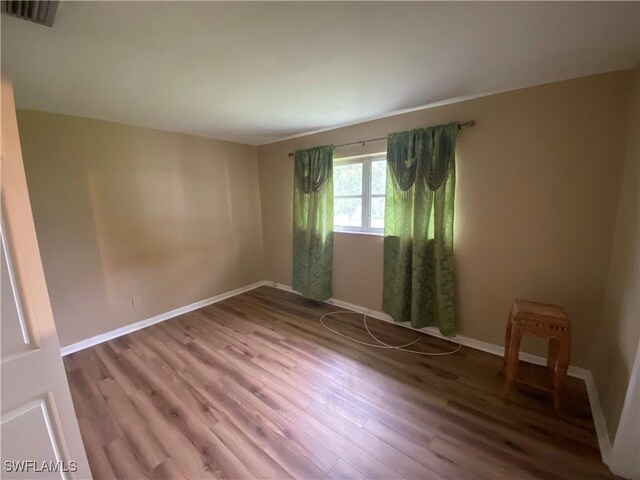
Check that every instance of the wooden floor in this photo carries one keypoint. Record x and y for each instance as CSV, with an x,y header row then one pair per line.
x,y
254,387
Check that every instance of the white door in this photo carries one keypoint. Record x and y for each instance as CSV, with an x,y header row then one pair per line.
x,y
39,435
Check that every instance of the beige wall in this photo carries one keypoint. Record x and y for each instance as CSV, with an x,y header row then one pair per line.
x,y
546,209
538,182
617,339
123,211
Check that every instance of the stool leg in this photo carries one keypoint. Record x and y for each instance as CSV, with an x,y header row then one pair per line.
x,y
552,357
507,339
564,352
512,361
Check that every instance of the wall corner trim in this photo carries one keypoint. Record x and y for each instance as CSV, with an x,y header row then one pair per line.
x,y
118,332
598,418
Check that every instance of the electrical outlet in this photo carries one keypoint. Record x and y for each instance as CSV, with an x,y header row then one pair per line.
x,y
136,301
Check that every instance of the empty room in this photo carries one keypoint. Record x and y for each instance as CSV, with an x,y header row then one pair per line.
x,y
344,240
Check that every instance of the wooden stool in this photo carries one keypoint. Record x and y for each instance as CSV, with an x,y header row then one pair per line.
x,y
541,320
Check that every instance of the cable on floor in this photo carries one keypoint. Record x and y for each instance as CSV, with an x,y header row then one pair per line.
x,y
381,344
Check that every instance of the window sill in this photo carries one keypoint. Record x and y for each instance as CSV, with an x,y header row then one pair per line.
x,y
349,232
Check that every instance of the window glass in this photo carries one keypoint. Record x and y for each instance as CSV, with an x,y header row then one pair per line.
x,y
359,192
347,212
347,179
378,177
377,212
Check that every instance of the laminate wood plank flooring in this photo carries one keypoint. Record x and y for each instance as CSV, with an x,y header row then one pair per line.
x,y
255,387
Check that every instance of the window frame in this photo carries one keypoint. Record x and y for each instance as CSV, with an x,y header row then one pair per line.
x,y
366,195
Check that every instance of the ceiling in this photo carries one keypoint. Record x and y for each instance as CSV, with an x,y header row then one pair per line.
x,y
259,72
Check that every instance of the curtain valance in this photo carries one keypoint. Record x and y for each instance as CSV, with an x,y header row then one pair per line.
x,y
423,154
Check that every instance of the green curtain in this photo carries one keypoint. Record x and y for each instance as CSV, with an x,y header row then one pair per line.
x,y
313,222
418,227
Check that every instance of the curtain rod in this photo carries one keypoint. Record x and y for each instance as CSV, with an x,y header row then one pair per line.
x,y
469,123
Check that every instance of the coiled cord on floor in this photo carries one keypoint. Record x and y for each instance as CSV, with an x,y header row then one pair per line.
x,y
381,344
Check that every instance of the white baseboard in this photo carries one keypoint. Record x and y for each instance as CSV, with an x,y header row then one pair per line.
x,y
118,332
466,341
598,417
578,372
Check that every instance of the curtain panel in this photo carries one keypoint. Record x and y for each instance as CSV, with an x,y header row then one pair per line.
x,y
418,227
313,222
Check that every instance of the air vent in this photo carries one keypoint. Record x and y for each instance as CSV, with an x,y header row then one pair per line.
x,y
42,13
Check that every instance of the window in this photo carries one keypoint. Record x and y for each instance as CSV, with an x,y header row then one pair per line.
x,y
358,191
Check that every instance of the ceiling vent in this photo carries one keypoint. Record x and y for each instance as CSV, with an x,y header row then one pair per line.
x,y
41,12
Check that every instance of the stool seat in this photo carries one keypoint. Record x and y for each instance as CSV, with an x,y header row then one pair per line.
x,y
545,321
540,313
